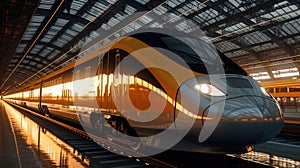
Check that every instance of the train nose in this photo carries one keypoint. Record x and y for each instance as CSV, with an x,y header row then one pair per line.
x,y
245,120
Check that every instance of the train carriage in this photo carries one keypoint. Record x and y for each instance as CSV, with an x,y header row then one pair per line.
x,y
97,87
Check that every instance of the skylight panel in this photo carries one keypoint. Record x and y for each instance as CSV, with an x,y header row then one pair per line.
x,y
260,75
113,21
256,37
46,4
285,72
72,32
160,10
99,6
27,36
38,18
290,28
145,19
46,51
129,9
60,42
236,27
264,47
61,22
35,49
66,37
236,53
142,1
52,55
172,3
77,5
21,48
34,24
88,16
228,46
78,27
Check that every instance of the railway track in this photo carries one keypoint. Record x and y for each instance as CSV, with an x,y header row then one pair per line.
x,y
101,155
97,154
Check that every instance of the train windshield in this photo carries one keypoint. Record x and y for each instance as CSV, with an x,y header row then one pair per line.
x,y
200,56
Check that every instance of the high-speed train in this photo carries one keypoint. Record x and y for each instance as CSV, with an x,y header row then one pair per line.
x,y
146,83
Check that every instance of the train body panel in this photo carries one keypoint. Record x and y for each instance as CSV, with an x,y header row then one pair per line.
x,y
142,98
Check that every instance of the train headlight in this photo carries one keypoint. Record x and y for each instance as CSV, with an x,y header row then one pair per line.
x,y
263,90
209,89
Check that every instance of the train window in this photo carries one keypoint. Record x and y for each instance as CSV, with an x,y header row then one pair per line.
x,y
188,55
292,99
202,58
238,83
281,89
284,99
294,89
111,60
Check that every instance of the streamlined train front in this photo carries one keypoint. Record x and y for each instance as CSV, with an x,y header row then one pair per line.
x,y
223,109
236,113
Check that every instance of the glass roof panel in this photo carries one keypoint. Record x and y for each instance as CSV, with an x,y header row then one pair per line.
x,y
36,49
146,19
46,51
97,8
46,4
88,16
236,53
76,6
292,27
72,32
285,72
160,10
77,26
191,7
142,1
129,9
227,46
113,21
260,75
256,38
21,48
235,27
37,18
174,3
211,13
52,55
264,47
60,42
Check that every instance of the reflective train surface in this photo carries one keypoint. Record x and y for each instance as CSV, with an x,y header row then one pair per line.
x,y
146,83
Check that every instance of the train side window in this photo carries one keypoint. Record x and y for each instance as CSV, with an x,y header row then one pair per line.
x,y
294,89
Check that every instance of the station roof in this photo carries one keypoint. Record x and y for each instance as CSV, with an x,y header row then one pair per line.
x,y
41,36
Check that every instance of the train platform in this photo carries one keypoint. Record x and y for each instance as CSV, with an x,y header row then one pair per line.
x,y
14,152
24,143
